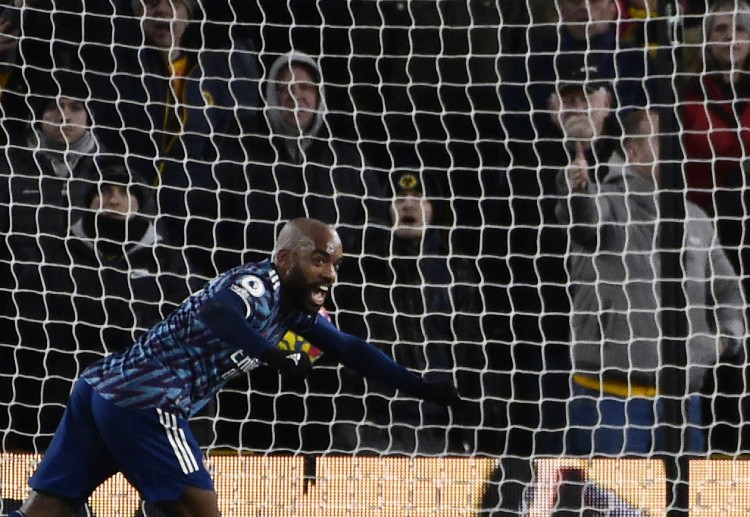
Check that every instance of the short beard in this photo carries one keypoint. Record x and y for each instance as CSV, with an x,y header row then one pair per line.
x,y
295,292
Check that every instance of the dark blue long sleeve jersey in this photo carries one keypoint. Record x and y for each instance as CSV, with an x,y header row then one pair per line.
x,y
221,332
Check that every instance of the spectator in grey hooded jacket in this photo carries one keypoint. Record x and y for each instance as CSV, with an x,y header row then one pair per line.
x,y
614,268
295,167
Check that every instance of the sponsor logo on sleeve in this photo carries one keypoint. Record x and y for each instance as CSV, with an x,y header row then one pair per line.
x,y
242,363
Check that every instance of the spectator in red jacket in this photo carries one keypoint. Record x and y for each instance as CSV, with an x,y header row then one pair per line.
x,y
716,140
715,119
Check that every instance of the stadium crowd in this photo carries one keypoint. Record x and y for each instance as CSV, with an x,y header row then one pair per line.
x,y
149,145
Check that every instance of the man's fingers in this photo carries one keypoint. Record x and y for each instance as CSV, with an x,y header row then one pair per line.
x,y
580,154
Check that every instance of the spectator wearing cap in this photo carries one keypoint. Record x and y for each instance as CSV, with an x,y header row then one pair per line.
x,y
411,296
581,109
168,100
585,28
94,292
715,117
35,39
539,302
140,279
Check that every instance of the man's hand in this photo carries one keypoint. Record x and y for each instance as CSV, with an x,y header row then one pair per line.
x,y
578,170
291,364
440,392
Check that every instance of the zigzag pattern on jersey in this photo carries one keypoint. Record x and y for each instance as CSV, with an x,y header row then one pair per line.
x,y
178,365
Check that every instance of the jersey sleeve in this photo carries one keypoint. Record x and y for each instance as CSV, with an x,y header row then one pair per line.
x,y
228,313
361,356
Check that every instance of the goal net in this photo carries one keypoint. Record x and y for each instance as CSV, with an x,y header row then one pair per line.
x,y
542,202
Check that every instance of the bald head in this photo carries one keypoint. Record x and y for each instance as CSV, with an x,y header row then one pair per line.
x,y
307,257
301,235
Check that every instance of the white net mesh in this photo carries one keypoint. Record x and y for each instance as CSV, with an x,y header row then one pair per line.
x,y
515,132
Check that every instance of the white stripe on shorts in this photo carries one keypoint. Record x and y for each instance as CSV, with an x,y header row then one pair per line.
x,y
177,439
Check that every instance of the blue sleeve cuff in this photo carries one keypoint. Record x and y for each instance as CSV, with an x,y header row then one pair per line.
x,y
361,356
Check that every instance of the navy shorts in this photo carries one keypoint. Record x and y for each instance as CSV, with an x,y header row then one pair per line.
x,y
155,451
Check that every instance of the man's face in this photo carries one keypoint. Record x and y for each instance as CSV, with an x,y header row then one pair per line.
x,y
164,22
410,214
580,113
298,96
65,121
311,272
115,201
728,41
586,18
643,149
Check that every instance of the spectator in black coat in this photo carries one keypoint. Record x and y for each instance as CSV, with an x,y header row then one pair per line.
x,y
411,296
98,286
294,168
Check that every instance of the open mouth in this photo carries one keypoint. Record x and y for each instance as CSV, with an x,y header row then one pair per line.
x,y
162,28
318,294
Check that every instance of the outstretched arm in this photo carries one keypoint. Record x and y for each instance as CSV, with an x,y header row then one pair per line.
x,y
361,356
226,315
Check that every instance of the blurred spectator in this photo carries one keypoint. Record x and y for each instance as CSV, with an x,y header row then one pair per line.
x,y
714,110
38,168
714,114
34,41
616,329
581,109
582,32
167,98
140,280
169,101
411,72
565,491
585,27
94,292
411,297
295,168
423,79
55,148
549,487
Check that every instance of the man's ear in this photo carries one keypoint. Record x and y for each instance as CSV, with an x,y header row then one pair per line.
x,y
627,147
283,260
